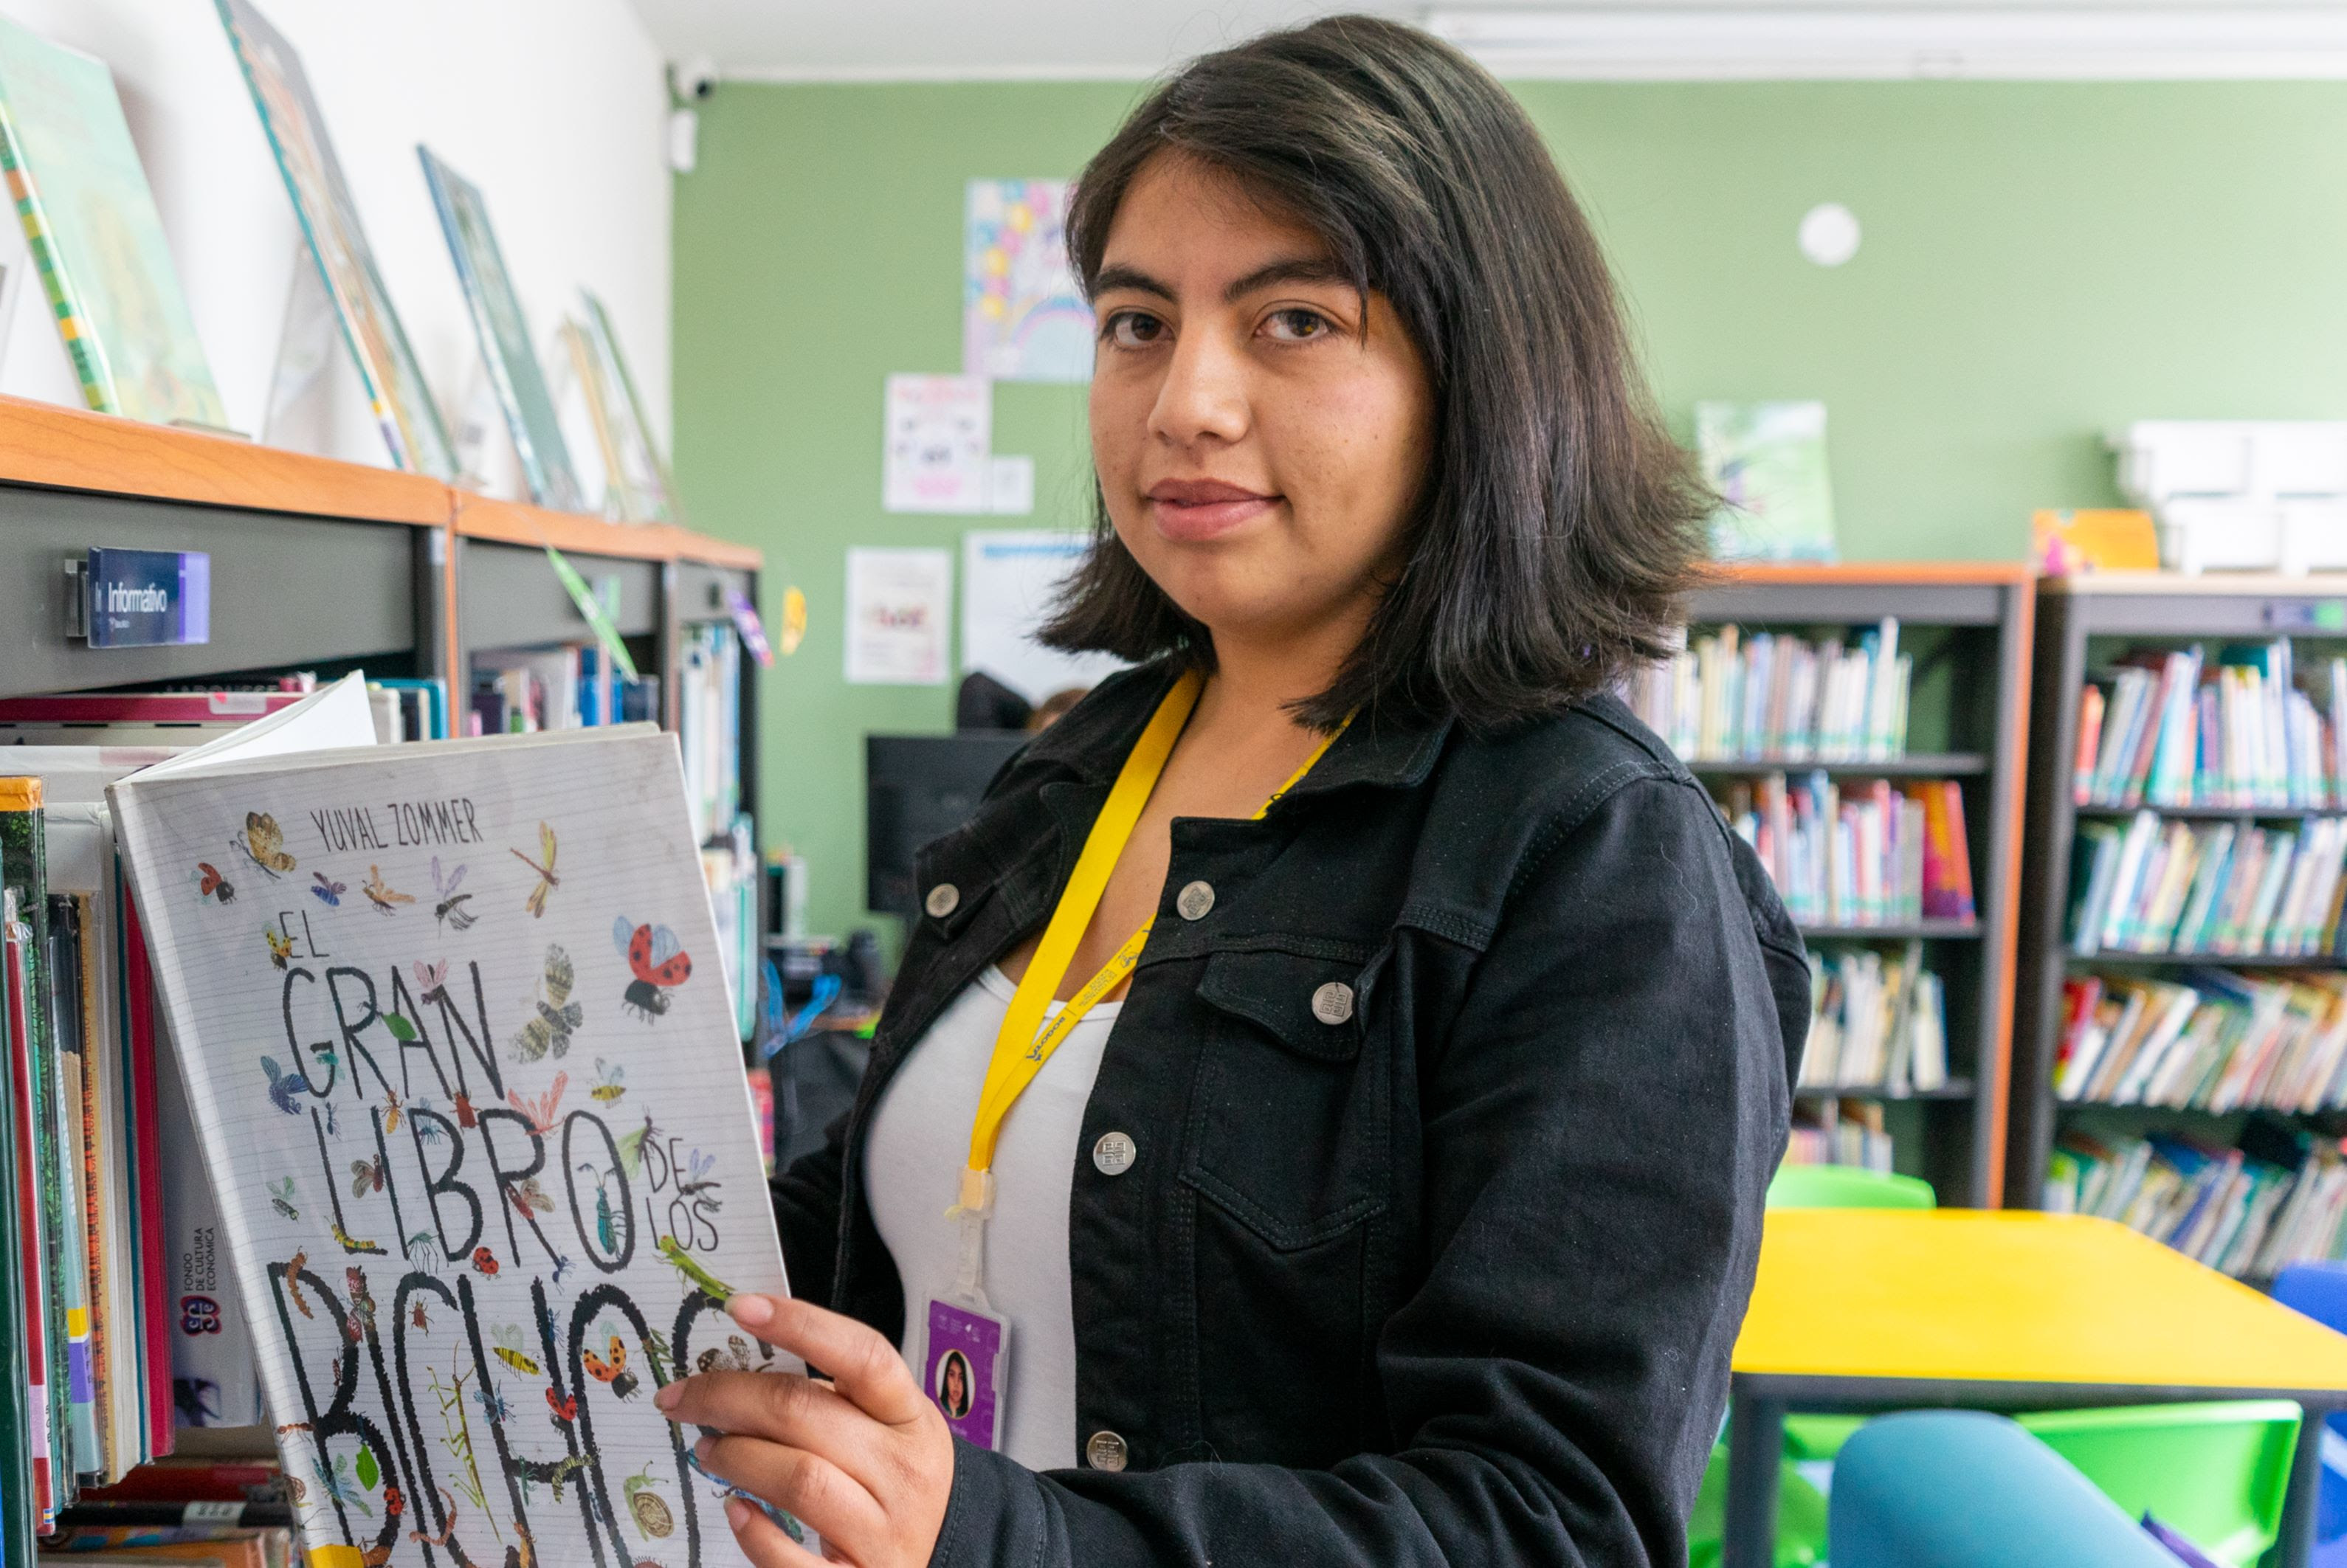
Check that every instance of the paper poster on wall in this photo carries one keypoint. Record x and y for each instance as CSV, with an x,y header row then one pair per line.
x,y
939,443
897,604
1009,577
1022,317
1767,462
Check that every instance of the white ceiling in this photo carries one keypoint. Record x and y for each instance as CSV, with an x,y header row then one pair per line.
x,y
1126,39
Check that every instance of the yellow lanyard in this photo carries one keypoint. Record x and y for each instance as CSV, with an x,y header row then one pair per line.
x,y
1025,1043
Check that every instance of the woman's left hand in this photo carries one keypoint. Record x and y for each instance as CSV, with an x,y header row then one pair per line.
x,y
865,1459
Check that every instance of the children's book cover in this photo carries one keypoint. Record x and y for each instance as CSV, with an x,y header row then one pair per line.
x,y
467,1077
97,239
1767,462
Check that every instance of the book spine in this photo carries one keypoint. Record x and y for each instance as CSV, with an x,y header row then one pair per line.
x,y
2090,728
17,949
24,870
139,1035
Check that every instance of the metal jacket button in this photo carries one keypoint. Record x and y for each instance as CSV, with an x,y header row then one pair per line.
x,y
1194,901
943,901
1106,1451
1114,1154
1333,1003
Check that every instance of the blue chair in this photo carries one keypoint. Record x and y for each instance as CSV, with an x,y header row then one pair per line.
x,y
1964,1489
2320,1291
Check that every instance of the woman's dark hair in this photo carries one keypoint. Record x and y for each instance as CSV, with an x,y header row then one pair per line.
x,y
1559,525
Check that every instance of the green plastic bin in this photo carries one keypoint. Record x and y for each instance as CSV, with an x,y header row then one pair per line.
x,y
1846,1187
2216,1471
1800,1517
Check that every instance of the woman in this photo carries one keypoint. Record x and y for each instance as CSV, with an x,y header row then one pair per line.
x,y
1408,1213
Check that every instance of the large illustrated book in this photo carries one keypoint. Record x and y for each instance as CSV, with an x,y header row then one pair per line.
x,y
96,239
465,1072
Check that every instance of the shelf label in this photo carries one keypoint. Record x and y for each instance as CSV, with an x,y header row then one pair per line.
x,y
148,599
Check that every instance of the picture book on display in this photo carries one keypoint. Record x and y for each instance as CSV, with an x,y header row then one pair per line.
x,y
464,1067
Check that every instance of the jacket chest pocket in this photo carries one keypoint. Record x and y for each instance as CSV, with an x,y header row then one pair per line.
x,y
1289,1133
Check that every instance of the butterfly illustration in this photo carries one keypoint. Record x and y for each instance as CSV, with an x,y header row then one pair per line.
x,y
527,1194
484,1260
281,1198
382,896
547,880
293,1267
610,1080
613,1371
263,844
449,905
509,1350
210,883
493,1405
557,1015
539,1112
329,892
657,960
281,947
366,1176
565,1409
282,1086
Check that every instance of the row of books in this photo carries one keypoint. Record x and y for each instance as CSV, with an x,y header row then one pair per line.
x,y
2170,729
2209,1039
1854,1136
1729,695
708,726
1876,1023
1866,854
2247,1214
567,688
2156,886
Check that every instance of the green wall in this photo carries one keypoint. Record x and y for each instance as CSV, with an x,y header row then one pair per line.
x,y
2041,263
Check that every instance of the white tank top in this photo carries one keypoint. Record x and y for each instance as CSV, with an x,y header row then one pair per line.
x,y
913,1163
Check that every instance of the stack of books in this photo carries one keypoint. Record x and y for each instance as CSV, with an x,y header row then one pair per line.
x,y
1876,1023
1728,695
2217,1205
1853,1137
2156,885
2307,1224
2211,1041
2171,729
1868,855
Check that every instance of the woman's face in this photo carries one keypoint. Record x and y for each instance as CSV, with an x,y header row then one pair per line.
x,y
1260,429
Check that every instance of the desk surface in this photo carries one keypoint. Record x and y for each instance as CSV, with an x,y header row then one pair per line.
x,y
1984,1296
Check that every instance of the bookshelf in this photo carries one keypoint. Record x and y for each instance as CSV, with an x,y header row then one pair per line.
x,y
1967,628
2085,624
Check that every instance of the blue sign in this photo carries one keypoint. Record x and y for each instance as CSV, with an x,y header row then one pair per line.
x,y
149,599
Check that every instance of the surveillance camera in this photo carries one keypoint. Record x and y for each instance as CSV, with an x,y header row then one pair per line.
x,y
697,77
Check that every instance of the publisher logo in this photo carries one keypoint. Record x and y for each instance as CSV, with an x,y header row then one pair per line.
x,y
198,1315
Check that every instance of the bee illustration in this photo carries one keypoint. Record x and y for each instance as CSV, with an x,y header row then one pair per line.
x,y
432,981
614,1371
366,1176
390,1109
381,894
282,1086
565,1409
293,1267
657,960
541,1112
210,883
484,1260
328,891
281,1198
557,1015
352,1243
547,880
263,844
449,907
527,1194
281,947
611,1080
509,1350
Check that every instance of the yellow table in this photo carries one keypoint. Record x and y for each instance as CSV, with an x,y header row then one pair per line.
x,y
1869,1309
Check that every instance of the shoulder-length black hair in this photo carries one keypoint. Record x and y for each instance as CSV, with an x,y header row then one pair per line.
x,y
1559,525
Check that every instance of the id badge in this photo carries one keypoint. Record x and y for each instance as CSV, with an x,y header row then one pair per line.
x,y
967,1358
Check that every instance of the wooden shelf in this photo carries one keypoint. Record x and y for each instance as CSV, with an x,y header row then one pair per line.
x,y
514,523
2133,1108
2215,812
1881,574
2211,960
1955,1090
1928,930
2202,585
1922,764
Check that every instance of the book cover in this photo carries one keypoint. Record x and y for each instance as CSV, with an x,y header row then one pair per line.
x,y
485,1169
1768,463
658,485
504,336
97,239
395,388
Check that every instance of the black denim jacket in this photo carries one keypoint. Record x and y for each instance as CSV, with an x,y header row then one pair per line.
x,y
1453,1116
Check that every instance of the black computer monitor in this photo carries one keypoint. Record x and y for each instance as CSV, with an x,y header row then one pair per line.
x,y
915,788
